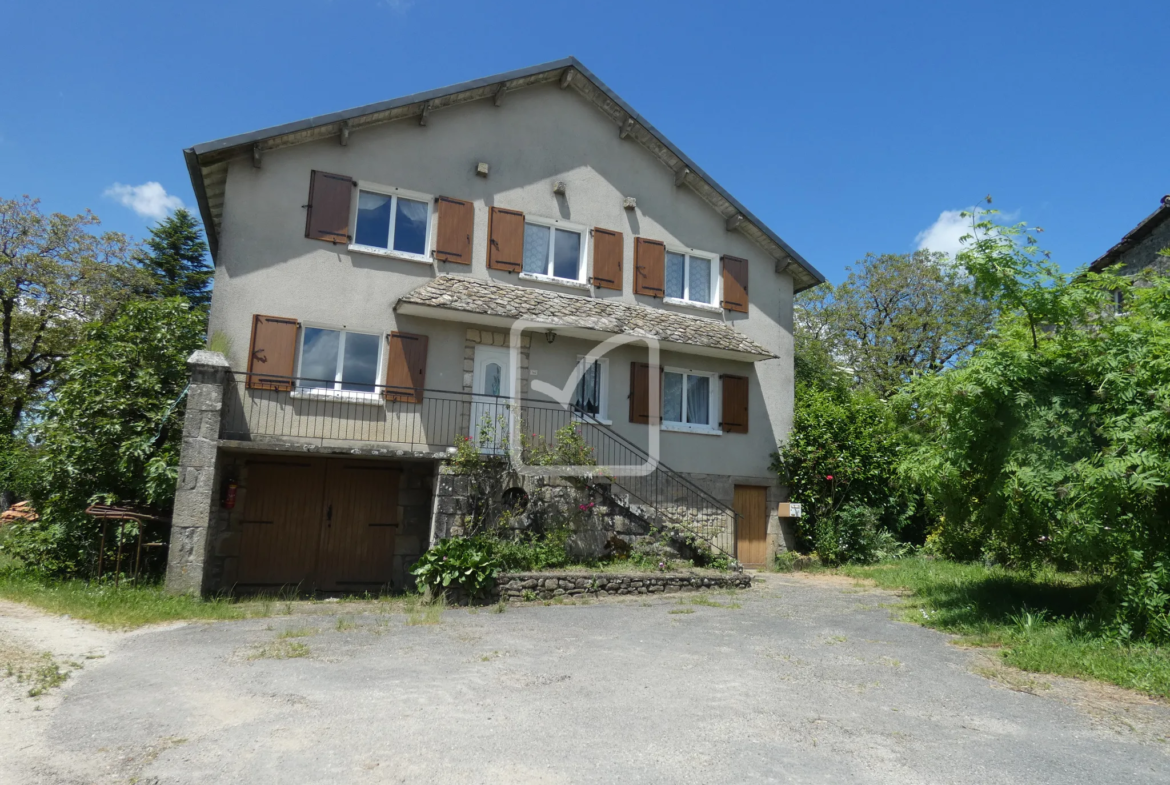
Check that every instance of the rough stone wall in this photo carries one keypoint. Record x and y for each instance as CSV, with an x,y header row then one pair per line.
x,y
453,507
545,586
198,479
551,501
1145,256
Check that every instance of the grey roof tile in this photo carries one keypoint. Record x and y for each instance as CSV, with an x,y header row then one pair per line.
x,y
475,295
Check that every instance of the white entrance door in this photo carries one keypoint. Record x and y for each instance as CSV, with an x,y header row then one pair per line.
x,y
491,388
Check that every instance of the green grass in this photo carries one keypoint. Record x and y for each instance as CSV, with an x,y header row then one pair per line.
x,y
126,606
1041,621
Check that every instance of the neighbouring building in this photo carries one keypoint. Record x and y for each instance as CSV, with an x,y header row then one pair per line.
x,y
370,267
1138,250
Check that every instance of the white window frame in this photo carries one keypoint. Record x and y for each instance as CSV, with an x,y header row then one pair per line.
x,y
582,279
335,393
716,283
602,415
713,403
387,190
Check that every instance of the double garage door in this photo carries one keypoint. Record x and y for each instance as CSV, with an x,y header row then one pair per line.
x,y
323,524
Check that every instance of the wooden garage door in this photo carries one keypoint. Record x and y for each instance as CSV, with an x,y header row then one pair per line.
x,y
281,526
361,523
751,538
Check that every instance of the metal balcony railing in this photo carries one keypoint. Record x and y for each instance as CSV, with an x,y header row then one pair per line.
x,y
308,412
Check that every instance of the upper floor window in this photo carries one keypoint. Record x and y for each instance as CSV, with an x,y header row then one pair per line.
x,y
690,277
338,360
554,249
393,221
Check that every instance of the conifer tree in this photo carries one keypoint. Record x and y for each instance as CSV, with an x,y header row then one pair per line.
x,y
176,259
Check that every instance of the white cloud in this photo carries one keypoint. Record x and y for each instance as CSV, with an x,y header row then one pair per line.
x,y
943,235
150,200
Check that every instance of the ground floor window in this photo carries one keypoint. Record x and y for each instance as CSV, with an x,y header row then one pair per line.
x,y
687,399
590,397
338,360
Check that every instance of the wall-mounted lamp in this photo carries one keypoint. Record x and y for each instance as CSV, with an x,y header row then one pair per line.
x,y
559,187
550,336
482,169
630,203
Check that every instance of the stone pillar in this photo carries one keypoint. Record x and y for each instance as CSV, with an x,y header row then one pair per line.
x,y
195,495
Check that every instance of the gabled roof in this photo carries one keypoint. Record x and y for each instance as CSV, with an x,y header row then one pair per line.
x,y
207,162
495,303
1135,236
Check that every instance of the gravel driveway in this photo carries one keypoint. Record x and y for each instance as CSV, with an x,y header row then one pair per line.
x,y
807,681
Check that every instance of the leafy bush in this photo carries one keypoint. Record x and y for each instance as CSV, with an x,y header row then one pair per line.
x,y
531,552
111,434
848,534
466,564
1051,444
843,450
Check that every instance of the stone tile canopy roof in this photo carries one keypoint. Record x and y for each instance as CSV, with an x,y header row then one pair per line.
x,y
472,295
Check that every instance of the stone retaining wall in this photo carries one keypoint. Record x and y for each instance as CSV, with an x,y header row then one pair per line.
x,y
545,586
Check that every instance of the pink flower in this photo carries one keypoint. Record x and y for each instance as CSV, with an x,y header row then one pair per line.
x,y
829,477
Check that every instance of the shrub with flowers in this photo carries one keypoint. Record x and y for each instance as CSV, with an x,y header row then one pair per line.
x,y
840,463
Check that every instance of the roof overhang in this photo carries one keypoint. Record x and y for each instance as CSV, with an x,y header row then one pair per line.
x,y
1133,237
505,323
207,163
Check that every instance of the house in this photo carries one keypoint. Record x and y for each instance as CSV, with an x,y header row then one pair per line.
x,y
1138,250
371,266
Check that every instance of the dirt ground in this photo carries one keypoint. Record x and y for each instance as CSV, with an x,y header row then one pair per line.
x,y
801,679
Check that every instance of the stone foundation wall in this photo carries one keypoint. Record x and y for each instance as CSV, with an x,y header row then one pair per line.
x,y
545,586
453,505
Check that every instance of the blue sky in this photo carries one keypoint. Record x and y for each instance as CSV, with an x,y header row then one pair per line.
x,y
848,127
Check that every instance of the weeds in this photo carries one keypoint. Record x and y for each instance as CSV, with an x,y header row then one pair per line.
x,y
421,611
706,601
1042,621
345,623
280,649
38,670
297,632
122,607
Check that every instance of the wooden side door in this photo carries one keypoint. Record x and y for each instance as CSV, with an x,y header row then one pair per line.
x,y
361,522
751,536
282,522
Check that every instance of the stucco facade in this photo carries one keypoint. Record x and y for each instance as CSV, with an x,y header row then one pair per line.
x,y
538,136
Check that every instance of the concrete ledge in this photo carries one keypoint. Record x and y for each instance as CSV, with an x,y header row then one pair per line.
x,y
546,585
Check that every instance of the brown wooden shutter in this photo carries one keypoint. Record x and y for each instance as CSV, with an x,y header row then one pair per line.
x,y
735,404
273,353
640,393
735,283
608,249
406,367
453,238
506,240
649,266
327,216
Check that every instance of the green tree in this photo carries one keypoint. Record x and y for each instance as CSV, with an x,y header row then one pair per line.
x,y
1051,443
112,432
56,276
895,316
175,256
